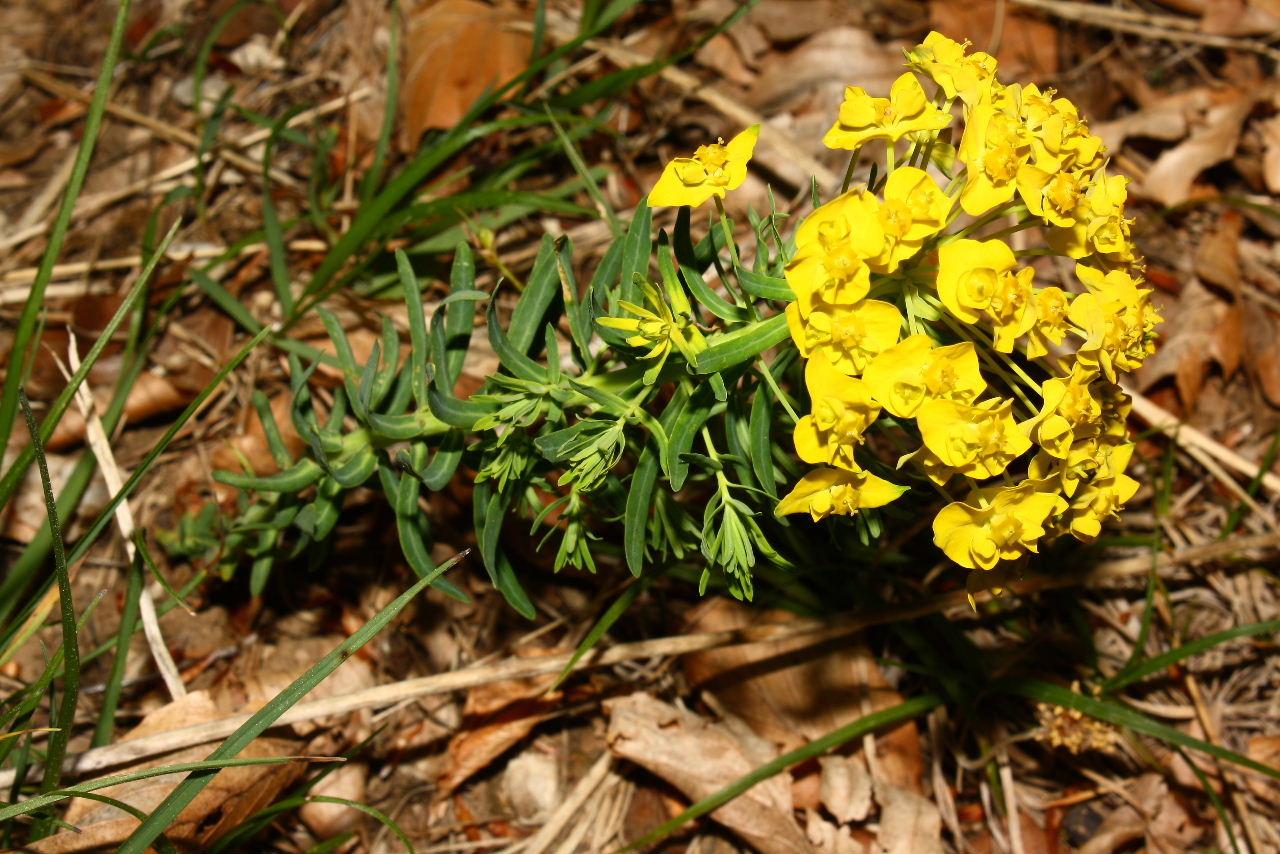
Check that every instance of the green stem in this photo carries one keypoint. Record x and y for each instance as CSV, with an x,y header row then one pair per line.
x,y
848,172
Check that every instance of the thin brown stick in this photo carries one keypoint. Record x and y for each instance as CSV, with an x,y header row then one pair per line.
x,y
1162,27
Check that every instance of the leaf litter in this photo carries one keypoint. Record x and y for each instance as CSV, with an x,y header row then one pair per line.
x,y
1203,144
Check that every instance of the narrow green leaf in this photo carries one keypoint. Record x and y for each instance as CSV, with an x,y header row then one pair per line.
x,y
636,251
761,286
531,309
734,348
635,522
511,357
1123,716
1156,664
296,478
760,439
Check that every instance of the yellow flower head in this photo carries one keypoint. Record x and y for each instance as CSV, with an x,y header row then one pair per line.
x,y
914,208
1060,139
1050,306
1117,320
1070,412
976,278
978,440
1100,225
943,61
906,110
842,411
994,524
847,338
832,246
825,491
1102,496
712,171
1052,196
993,148
912,371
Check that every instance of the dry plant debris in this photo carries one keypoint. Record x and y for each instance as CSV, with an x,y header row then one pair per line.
x,y
616,750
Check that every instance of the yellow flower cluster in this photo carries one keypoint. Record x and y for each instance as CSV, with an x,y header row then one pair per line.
x,y
909,303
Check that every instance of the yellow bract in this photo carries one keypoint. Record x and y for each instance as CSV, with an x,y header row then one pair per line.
x,y
849,338
842,411
831,251
914,209
712,171
944,60
977,440
912,371
994,524
825,491
863,118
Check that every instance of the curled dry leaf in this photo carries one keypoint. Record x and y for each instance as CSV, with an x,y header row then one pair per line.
x,y
909,822
700,757
1200,328
1217,257
1149,813
231,797
1213,140
495,718
846,787
457,49
792,692
1270,130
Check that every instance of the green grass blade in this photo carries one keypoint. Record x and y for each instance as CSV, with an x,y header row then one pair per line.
x,y
1142,670
104,517
207,766
65,718
863,726
24,340
115,679
186,791
12,477
584,172
606,621
1123,716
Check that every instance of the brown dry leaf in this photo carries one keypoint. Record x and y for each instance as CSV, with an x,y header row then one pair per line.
x,y
792,695
1027,47
829,838
1157,818
1264,749
495,718
1241,18
1270,130
457,49
834,57
1216,135
1199,328
909,822
1217,257
232,796
327,820
699,757
846,787
1262,343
